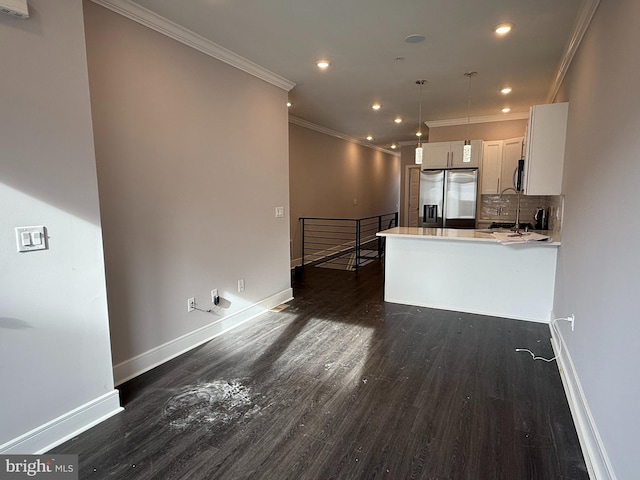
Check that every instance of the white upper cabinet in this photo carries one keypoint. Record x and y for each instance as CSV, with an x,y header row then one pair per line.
x,y
436,155
457,155
491,166
511,153
499,163
544,158
450,155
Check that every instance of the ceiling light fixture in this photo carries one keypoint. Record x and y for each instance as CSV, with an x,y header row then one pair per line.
x,y
398,120
393,146
506,90
376,106
503,29
415,38
466,152
323,64
288,104
419,151
369,137
506,110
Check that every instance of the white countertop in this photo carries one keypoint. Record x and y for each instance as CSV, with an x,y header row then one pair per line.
x,y
468,235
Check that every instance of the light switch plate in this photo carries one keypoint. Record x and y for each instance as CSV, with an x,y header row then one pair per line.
x,y
29,239
279,212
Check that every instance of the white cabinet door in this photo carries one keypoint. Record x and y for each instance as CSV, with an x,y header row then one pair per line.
x,y
436,155
491,167
544,161
457,154
450,154
456,149
499,162
511,153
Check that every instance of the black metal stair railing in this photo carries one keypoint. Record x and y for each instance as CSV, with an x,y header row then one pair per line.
x,y
343,243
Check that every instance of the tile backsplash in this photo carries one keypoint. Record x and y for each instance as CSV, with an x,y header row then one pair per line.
x,y
503,208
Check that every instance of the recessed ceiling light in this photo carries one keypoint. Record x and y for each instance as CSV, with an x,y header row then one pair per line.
x,y
506,90
394,146
415,38
398,120
323,64
369,137
418,134
376,106
506,110
503,28
288,104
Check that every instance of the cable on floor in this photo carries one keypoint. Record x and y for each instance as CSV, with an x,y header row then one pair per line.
x,y
553,327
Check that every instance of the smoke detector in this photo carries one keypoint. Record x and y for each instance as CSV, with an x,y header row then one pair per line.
x,y
15,8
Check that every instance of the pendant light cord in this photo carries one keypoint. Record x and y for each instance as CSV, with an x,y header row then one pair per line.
x,y
420,82
469,74
468,106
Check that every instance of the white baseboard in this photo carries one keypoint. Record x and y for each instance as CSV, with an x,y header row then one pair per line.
x,y
595,455
59,430
146,361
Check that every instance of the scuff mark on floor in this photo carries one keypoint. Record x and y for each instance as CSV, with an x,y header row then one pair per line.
x,y
218,403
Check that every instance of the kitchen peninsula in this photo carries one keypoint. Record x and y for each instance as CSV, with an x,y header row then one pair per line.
x,y
470,271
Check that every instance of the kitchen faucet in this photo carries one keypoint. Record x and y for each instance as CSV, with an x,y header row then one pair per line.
x,y
516,227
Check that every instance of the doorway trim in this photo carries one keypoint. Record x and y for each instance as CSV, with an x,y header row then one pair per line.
x,y
404,217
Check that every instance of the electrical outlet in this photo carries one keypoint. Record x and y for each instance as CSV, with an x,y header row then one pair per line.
x,y
191,304
241,285
215,298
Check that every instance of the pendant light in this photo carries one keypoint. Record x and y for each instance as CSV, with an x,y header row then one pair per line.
x,y
419,150
466,152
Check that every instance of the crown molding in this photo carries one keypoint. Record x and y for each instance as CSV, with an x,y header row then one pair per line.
x,y
327,131
585,15
480,119
172,30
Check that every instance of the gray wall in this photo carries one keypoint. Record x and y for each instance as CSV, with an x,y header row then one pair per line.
x,y
54,337
327,174
192,159
598,276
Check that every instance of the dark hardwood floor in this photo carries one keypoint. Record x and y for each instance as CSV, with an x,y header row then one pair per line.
x,y
341,385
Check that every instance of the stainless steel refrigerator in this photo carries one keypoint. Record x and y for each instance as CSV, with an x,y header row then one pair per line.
x,y
448,198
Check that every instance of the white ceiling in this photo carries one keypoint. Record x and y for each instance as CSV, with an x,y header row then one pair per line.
x,y
370,61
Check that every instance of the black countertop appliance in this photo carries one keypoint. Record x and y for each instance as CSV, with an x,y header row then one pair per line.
x,y
542,219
